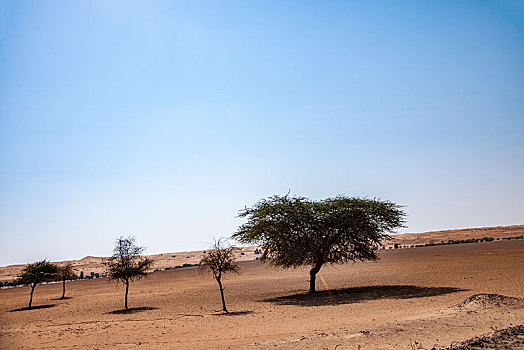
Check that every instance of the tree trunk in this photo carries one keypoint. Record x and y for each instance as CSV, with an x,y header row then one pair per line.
x,y
127,290
63,289
222,295
313,277
31,295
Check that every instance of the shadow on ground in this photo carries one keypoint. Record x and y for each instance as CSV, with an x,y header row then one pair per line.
x,y
34,307
64,298
359,294
132,310
234,313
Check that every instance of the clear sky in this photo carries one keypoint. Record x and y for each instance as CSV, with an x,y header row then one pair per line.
x,y
163,119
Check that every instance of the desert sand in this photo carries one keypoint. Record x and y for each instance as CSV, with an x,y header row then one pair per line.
x,y
93,264
415,298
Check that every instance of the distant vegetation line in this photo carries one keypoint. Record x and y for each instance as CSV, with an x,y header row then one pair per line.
x,y
454,241
291,231
93,275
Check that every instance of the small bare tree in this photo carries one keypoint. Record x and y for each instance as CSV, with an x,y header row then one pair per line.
x,y
127,263
65,273
220,260
36,273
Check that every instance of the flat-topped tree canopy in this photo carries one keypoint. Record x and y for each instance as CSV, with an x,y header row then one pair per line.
x,y
296,231
36,273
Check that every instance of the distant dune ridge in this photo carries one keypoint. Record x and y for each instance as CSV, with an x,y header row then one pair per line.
x,y
93,264
457,296
496,232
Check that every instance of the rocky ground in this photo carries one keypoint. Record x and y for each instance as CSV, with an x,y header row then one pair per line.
x,y
509,338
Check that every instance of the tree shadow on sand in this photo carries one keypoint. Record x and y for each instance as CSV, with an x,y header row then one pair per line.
x,y
233,313
64,298
131,310
33,307
359,294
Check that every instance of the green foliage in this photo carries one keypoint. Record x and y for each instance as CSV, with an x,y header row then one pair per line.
x,y
219,260
184,265
38,272
127,262
458,241
13,283
66,273
514,237
295,231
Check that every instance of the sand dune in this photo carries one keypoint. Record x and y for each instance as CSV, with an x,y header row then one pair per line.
x,y
93,264
498,232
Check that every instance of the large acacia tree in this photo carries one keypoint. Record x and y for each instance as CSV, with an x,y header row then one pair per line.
x,y
127,263
36,273
296,231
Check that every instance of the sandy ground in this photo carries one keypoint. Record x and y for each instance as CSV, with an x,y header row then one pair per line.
x,y
93,264
410,299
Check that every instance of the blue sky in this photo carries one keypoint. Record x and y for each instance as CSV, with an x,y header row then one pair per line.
x,y
163,119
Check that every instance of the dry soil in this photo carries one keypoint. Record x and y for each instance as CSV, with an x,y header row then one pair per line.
x,y
415,298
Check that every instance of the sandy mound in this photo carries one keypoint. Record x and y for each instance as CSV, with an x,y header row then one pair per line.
x,y
509,338
478,301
